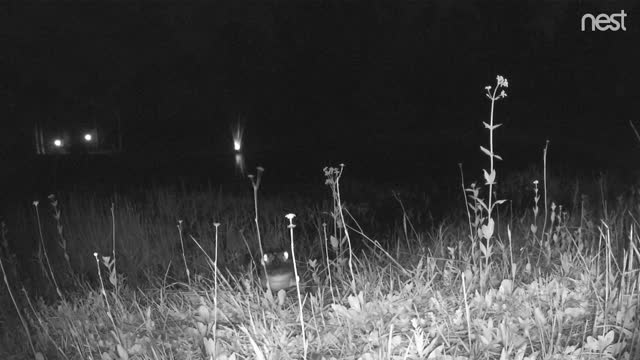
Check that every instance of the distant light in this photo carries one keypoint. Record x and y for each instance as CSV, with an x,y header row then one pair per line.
x,y
237,137
57,143
88,137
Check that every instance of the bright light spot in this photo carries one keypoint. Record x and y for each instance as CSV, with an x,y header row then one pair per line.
x,y
88,137
237,137
57,143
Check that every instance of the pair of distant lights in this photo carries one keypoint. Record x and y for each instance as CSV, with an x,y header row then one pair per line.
x,y
59,143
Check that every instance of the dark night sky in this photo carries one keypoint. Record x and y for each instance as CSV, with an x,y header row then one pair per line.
x,y
321,74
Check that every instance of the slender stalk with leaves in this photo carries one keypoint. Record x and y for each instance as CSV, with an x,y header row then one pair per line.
x,y
255,183
487,229
333,180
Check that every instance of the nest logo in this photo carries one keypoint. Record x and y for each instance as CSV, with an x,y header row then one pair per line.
x,y
604,22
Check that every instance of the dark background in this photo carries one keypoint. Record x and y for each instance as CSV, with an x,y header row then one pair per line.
x,y
388,87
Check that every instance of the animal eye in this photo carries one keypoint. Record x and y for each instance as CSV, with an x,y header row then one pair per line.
x,y
265,258
285,255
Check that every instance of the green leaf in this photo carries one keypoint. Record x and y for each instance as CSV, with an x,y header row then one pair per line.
x,y
122,353
490,178
604,341
113,278
334,242
483,248
491,127
484,150
487,230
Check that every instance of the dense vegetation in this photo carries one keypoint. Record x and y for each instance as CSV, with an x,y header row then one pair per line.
x,y
550,272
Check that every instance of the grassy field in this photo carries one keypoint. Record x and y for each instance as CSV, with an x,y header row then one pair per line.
x,y
551,272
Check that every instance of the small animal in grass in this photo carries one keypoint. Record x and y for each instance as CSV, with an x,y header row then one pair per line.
x,y
280,273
